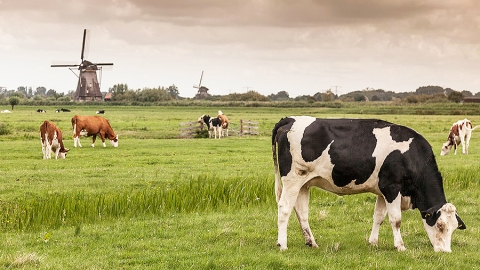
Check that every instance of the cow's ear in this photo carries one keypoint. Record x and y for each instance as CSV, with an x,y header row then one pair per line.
x,y
461,225
431,215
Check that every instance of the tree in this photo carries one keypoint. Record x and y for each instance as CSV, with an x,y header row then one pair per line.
x,y
455,96
51,93
281,96
13,100
22,90
328,96
173,91
430,90
359,97
318,96
119,89
41,91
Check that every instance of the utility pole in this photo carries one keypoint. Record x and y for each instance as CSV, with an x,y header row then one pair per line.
x,y
336,89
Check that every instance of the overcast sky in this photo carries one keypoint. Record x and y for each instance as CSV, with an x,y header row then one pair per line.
x,y
299,46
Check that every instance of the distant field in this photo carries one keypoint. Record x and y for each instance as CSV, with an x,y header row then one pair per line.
x,y
159,202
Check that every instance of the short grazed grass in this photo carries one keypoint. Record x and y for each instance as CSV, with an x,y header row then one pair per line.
x,y
157,202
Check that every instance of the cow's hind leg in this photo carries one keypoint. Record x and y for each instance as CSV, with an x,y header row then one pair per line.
x,y
287,201
301,210
76,140
394,211
94,137
378,217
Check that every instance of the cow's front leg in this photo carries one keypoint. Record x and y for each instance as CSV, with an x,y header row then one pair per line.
x,y
301,210
394,211
94,138
57,151
378,217
102,136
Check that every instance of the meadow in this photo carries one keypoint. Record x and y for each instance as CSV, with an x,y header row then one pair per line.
x,y
160,202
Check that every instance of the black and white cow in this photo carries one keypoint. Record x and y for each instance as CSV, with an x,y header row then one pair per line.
x,y
350,156
100,112
214,125
62,110
41,111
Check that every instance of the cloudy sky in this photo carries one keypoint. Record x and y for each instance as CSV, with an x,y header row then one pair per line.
x,y
299,46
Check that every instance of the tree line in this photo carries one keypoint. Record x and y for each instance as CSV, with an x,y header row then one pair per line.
x,y
122,93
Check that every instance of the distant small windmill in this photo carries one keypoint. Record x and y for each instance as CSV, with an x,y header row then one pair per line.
x,y
88,86
202,90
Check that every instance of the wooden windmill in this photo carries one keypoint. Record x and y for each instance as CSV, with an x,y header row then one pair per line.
x,y
88,86
202,90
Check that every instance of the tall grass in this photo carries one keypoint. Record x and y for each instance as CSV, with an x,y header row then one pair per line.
x,y
202,193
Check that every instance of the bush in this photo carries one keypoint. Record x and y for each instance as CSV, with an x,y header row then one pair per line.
x,y
4,129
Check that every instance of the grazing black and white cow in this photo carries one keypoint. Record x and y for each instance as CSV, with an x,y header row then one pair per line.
x,y
460,132
214,125
100,112
350,156
62,110
41,111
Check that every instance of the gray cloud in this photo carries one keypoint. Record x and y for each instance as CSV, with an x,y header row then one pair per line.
x,y
270,43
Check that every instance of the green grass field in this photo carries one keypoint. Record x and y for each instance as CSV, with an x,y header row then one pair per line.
x,y
159,202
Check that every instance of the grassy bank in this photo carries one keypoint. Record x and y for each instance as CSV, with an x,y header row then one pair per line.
x,y
158,202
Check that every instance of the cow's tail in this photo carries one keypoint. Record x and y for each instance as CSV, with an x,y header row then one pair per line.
x,y
74,125
475,127
278,184
45,127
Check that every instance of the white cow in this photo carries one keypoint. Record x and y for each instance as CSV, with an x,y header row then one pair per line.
x,y
460,132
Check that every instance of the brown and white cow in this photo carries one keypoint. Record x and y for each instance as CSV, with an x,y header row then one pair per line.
x,y
460,132
51,139
351,156
225,122
93,126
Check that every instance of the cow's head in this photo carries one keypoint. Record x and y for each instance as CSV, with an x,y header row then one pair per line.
x,y
440,224
204,119
446,147
63,153
114,142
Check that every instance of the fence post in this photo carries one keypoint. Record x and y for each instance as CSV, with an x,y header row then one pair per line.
x,y
241,127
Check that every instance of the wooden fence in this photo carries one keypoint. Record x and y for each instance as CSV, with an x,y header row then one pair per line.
x,y
189,129
247,127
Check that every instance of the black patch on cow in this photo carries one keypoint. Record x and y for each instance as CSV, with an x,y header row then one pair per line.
x,y
414,173
395,176
279,135
351,150
216,122
461,225
432,214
